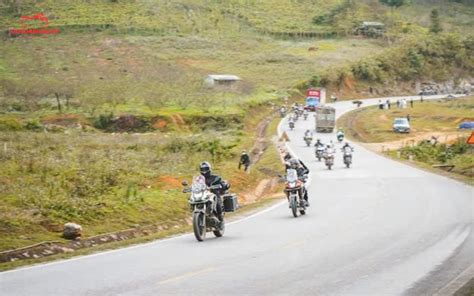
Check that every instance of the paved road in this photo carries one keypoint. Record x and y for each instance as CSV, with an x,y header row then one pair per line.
x,y
379,228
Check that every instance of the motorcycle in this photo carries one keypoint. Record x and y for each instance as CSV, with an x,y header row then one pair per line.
x,y
308,140
291,124
329,158
319,152
282,112
296,116
347,157
203,205
293,186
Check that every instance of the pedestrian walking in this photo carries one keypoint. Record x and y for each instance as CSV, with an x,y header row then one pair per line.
x,y
388,104
408,117
380,105
244,160
421,98
411,103
398,104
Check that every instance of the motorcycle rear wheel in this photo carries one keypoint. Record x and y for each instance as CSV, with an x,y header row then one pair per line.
x,y
199,226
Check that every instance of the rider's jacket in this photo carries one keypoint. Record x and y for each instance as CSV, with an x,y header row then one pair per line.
x,y
301,170
212,180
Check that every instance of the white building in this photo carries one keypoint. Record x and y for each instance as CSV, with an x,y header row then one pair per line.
x,y
222,81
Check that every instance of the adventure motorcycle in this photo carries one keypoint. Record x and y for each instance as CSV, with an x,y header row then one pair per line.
x,y
329,158
282,112
291,124
203,205
347,156
319,152
293,186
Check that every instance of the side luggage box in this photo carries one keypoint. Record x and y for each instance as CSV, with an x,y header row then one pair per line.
x,y
230,202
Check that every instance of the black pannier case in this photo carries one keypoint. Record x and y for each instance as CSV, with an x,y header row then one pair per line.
x,y
230,202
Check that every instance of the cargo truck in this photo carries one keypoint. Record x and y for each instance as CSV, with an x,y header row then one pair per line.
x,y
325,119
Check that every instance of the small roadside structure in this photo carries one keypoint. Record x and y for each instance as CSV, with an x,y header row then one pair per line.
x,y
370,29
230,82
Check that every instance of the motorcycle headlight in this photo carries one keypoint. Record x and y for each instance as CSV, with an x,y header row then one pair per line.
x,y
197,196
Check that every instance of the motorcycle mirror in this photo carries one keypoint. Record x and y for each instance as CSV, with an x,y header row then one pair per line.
x,y
184,183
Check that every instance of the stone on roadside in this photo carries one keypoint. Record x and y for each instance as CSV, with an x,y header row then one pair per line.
x,y
72,230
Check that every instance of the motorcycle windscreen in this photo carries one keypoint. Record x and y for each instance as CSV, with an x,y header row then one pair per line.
x,y
291,176
199,184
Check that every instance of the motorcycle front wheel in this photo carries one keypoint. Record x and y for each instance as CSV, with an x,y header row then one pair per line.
x,y
294,206
220,232
199,225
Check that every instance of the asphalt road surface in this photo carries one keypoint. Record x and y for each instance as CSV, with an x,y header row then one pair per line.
x,y
378,228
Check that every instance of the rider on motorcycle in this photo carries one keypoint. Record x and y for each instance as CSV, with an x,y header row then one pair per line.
x,y
301,170
340,134
318,143
308,133
212,180
347,145
329,149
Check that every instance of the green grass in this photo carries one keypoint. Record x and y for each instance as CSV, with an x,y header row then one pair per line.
x,y
371,125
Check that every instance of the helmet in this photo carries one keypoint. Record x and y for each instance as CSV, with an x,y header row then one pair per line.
x,y
294,164
328,145
287,156
346,144
244,152
318,140
205,168
308,131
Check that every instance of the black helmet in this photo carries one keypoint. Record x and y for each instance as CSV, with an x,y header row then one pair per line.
x,y
205,168
294,164
287,156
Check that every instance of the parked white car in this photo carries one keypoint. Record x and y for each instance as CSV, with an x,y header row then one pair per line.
x,y
401,125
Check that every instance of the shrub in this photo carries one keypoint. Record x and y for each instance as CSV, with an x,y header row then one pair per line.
x,y
10,124
104,121
34,125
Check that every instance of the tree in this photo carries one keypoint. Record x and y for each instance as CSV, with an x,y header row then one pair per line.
x,y
394,3
435,26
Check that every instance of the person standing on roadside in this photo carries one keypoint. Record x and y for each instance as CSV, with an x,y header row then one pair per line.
x,y
411,103
244,160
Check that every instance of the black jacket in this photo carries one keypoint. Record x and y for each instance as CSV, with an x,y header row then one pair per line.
x,y
244,158
301,170
212,180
